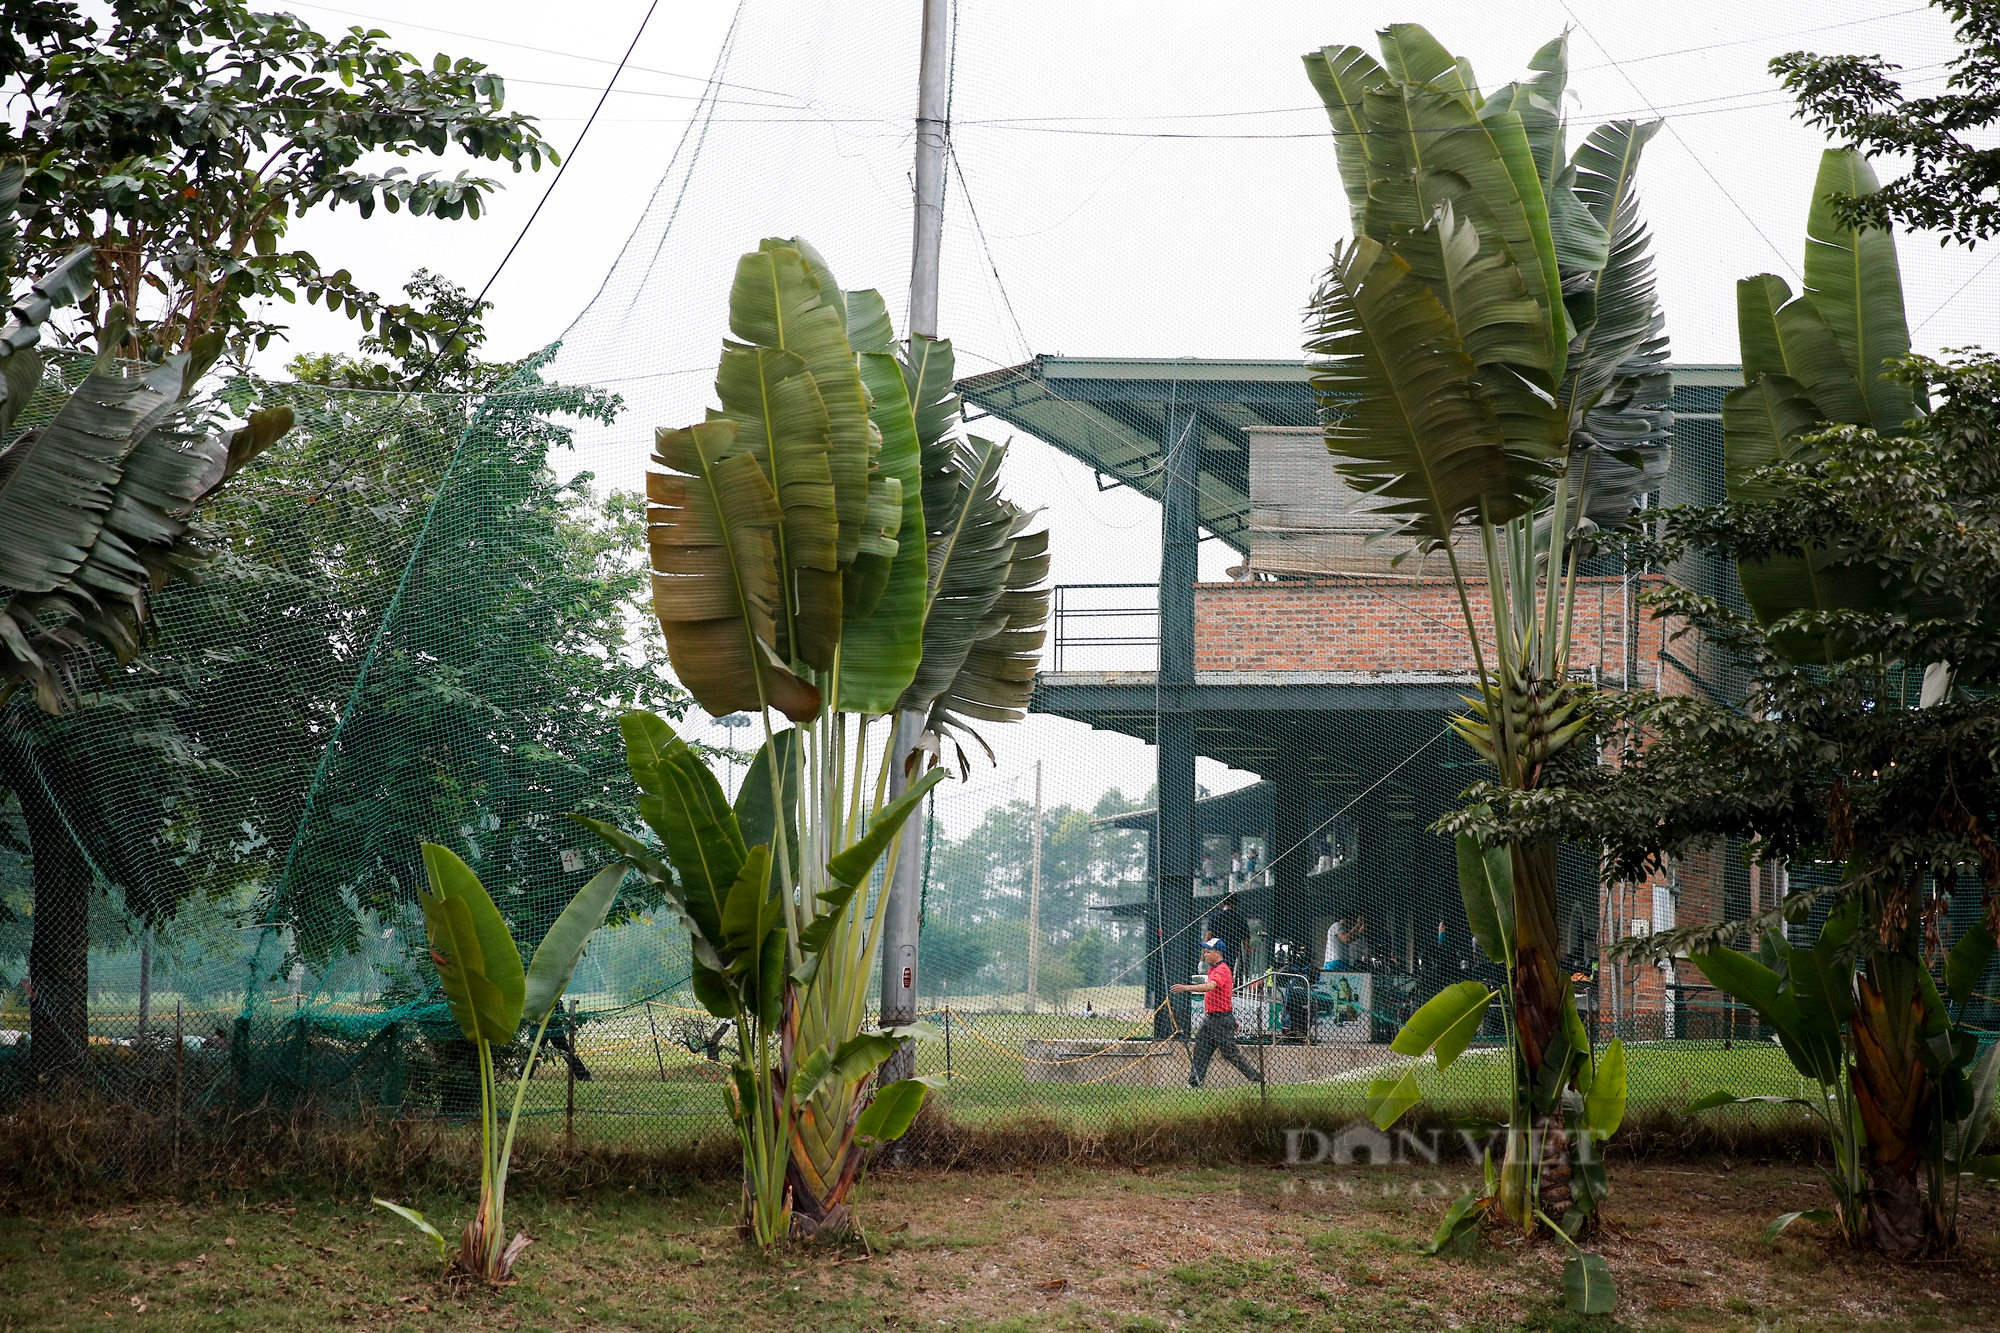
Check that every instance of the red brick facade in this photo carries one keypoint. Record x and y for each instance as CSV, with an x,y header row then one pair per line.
x,y
1415,626
1404,625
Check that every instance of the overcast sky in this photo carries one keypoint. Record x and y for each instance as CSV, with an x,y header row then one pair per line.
x,y
1137,180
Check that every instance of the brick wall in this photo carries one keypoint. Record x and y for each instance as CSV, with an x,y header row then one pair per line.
x,y
1414,625
1356,623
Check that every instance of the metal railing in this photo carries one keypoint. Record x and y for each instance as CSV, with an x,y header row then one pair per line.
x,y
1106,627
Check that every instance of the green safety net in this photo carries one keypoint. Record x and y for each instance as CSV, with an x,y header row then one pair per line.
x,y
428,609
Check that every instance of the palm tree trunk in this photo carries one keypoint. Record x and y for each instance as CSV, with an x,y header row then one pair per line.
x,y
1539,993
819,1202
1897,1099
59,950
824,1160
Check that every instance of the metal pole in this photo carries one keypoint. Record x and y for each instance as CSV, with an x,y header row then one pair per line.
x,y
1035,897
569,1113
904,890
933,139
1263,1040
180,1075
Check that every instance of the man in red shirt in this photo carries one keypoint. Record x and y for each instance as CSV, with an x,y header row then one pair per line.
x,y
1218,1019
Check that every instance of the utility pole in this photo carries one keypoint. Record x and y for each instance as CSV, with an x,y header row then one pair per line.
x,y
933,139
1035,898
905,887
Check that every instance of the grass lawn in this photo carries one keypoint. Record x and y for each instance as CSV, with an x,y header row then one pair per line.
x,y
640,1096
1060,1249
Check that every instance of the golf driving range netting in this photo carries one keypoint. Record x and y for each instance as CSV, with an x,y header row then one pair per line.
x,y
428,610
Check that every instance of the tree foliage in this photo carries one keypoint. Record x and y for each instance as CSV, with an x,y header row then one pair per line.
x,y
1953,182
1815,756
491,700
181,138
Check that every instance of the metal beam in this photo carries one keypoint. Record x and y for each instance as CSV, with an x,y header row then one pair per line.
x,y
1073,695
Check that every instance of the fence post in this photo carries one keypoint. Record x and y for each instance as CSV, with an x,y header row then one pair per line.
x,y
569,1114
1263,1073
180,1065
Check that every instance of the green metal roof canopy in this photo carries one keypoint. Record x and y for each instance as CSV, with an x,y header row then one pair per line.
x,y
1109,413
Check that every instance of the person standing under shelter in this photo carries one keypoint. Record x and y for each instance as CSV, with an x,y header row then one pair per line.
x,y
1228,925
1218,1017
1346,944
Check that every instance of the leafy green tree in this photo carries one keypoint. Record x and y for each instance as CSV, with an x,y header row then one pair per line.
x,y
97,503
181,138
1088,953
955,954
980,885
493,698
1057,981
1953,182
1848,761
176,140
487,703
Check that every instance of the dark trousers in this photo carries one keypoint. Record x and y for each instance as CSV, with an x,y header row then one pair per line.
x,y
1217,1034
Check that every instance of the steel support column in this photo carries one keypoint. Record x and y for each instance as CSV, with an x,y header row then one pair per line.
x,y
1175,857
1292,827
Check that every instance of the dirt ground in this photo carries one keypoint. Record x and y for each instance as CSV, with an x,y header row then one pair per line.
x,y
1130,1251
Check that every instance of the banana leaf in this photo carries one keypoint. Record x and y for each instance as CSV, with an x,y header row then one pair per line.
x,y
1438,151
1617,315
756,818
683,803
478,964
882,644
1486,883
1411,55
1761,423
1966,963
785,298
557,955
1341,75
1855,283
1413,423
63,285
782,423
1587,1284
890,1113
717,588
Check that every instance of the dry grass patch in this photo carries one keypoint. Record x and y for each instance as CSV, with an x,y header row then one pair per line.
x,y
1054,1248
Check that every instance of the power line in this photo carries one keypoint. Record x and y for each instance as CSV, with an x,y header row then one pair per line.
x,y
1021,121
1946,303
472,309
1752,41
536,48
1021,125
563,166
979,227
1687,147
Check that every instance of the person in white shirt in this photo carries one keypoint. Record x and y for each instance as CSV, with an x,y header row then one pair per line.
x,y
1346,944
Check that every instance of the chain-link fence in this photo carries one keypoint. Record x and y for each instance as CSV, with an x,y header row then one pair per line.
x,y
415,630
422,625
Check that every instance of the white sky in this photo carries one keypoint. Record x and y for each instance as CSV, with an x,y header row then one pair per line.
x,y
1116,219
